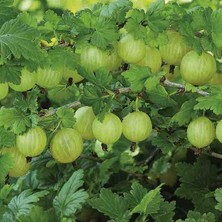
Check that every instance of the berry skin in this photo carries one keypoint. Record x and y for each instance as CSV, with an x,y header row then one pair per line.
x,y
201,132
137,126
84,120
109,130
66,145
32,143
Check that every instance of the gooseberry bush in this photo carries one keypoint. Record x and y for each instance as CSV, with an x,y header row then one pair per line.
x,y
112,113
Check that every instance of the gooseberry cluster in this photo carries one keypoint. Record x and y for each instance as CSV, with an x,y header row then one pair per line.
x,y
67,144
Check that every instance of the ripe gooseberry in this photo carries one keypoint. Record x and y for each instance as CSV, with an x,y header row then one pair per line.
x,y
93,58
201,132
131,50
32,143
152,59
175,49
66,145
28,80
48,78
84,120
197,69
67,73
21,166
109,130
137,126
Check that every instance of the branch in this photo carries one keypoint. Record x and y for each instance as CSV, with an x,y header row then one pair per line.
x,y
44,114
202,151
47,113
166,82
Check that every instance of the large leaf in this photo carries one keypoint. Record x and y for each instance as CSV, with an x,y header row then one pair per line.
x,y
70,197
112,205
17,39
7,11
23,203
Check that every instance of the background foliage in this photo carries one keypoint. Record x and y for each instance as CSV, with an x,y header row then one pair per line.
x,y
165,178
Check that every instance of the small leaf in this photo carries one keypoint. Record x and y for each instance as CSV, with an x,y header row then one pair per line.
x,y
150,203
14,119
137,76
212,102
136,194
185,114
111,205
66,116
6,163
218,197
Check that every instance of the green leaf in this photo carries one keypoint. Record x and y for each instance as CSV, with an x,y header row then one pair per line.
x,y
7,138
211,102
156,6
216,19
136,194
37,214
195,181
27,103
105,32
161,166
99,31
150,204
28,19
100,77
111,205
156,16
62,94
106,169
157,93
218,197
70,60
163,142
50,20
70,198
10,72
17,39
92,96
116,10
185,114
66,116
166,212
137,76
193,216
14,119
134,24
7,11
24,202
6,163
5,191
200,19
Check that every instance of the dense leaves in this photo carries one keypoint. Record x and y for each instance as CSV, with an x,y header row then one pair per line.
x,y
163,178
